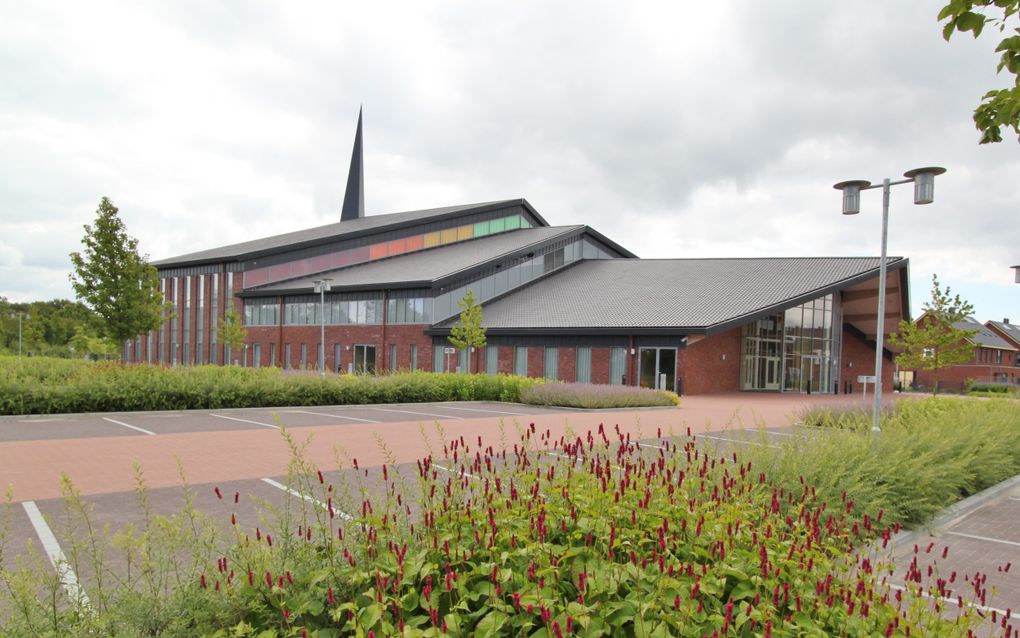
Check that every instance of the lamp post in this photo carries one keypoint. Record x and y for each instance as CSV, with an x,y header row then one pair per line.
x,y
20,315
924,193
322,286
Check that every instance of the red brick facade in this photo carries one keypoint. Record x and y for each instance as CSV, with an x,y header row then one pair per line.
x,y
988,365
857,359
711,364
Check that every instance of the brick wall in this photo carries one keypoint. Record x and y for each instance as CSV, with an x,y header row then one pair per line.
x,y
382,337
711,364
858,358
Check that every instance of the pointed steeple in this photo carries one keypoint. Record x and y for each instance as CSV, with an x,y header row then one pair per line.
x,y
354,198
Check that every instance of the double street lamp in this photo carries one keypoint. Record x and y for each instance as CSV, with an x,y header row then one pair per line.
x,y
322,286
924,193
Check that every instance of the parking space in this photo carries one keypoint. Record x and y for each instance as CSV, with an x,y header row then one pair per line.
x,y
77,426
984,545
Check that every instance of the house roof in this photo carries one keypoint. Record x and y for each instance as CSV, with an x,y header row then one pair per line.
x,y
423,268
346,229
1010,329
984,337
683,296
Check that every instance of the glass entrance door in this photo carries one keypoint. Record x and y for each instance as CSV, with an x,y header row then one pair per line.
x,y
658,368
364,359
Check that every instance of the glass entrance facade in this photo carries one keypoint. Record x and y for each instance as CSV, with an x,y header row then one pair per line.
x,y
658,368
794,351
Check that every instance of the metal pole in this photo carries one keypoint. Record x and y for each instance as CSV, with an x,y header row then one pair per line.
x,y
322,329
20,315
879,337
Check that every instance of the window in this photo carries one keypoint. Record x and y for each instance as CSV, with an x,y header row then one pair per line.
x,y
521,361
998,357
393,357
552,363
364,359
304,356
272,354
584,365
286,356
336,358
256,356
491,359
414,357
617,366
438,359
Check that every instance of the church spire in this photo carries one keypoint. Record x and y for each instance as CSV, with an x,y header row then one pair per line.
x,y
354,197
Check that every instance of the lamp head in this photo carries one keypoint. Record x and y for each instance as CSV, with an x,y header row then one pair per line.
x,y
852,194
924,183
1016,270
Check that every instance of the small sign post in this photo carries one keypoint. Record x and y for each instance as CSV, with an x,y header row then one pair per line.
x,y
448,351
865,379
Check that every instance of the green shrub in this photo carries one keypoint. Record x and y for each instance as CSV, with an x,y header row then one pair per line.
x,y
592,396
930,453
51,386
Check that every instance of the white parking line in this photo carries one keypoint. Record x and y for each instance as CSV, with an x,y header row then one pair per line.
x,y
128,425
1014,498
42,420
774,433
305,497
722,438
948,600
453,407
335,416
446,469
985,538
56,555
234,418
440,416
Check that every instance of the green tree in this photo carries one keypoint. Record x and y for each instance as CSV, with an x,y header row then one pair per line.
x,y
114,280
86,344
232,333
1000,107
933,342
468,331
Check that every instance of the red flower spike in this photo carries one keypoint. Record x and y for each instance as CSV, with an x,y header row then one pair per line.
x,y
219,494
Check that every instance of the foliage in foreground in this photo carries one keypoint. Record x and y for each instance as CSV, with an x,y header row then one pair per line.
x,y
593,396
581,536
930,454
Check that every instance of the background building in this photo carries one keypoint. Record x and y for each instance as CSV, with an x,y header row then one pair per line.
x,y
563,302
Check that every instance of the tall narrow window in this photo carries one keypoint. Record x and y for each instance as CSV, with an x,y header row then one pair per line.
x,y
584,365
521,361
214,316
491,359
393,357
617,365
256,355
272,354
552,363
438,359
463,361
414,357
286,356
186,341
304,356
336,358
200,324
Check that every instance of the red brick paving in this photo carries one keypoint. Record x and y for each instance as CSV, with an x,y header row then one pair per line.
x,y
104,465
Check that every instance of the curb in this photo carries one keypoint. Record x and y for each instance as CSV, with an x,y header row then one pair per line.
x,y
956,511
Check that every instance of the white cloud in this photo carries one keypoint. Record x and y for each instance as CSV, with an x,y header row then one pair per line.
x,y
675,130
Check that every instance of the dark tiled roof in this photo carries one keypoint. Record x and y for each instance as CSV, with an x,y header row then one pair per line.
x,y
984,336
1010,329
422,268
672,294
338,230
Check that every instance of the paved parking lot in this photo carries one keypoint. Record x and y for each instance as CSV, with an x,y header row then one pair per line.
x,y
242,453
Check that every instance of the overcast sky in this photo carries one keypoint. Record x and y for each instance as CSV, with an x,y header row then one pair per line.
x,y
676,129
